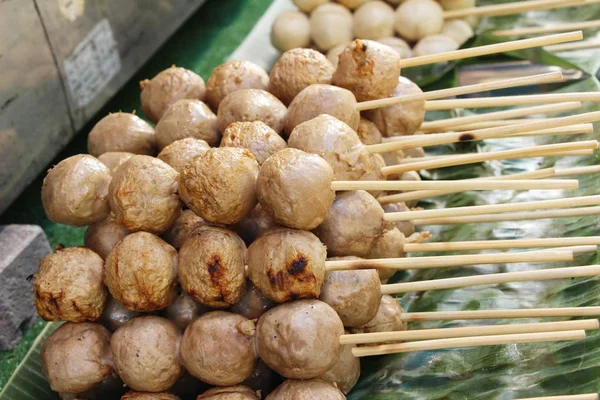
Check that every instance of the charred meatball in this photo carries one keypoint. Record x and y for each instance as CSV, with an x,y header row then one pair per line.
x,y
249,105
182,151
256,137
114,159
254,224
121,132
252,304
232,76
183,311
388,318
346,372
115,315
187,118
102,236
183,227
229,393
306,390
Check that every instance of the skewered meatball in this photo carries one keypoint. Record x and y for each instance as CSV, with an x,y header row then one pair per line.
x,y
287,264
281,339
141,272
354,294
218,348
249,105
415,152
285,181
232,76
401,119
75,191
458,30
354,222
398,45
145,353
102,236
306,390
416,19
374,20
121,132
252,304
131,395
143,195
76,357
69,286
434,44
322,99
368,69
182,151
256,137
263,380
229,393
211,267
352,4
330,25
333,55
388,318
220,186
183,311
368,132
254,224
115,315
296,70
308,5
456,4
183,227
388,245
187,118
345,372
170,85
114,159
406,227
290,30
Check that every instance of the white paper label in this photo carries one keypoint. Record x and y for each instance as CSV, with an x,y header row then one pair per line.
x,y
94,62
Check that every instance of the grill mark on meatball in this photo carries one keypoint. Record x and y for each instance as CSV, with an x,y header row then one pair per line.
x,y
217,277
465,137
297,265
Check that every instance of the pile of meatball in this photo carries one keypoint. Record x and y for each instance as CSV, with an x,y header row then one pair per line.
x,y
411,27
203,271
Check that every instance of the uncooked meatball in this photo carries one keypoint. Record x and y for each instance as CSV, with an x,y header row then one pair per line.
x,y
306,390
401,119
290,30
254,224
333,55
187,119
322,99
345,372
354,222
183,227
232,76
434,44
398,45
416,19
368,132
458,30
297,69
121,132
115,315
141,272
76,357
263,380
211,267
75,191
330,25
229,393
220,186
183,311
218,348
308,5
406,227
457,4
143,195
256,137
182,151
114,159
295,188
69,286
170,85
145,353
102,236
352,4
374,20
131,395
252,304
282,333
368,69
354,294
249,105
388,318
388,245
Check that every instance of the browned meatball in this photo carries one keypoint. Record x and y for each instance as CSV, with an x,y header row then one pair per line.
x,y
295,188
232,76
401,119
254,224
388,245
297,69
76,357
415,152
252,304
183,227
114,159
220,186
368,132
322,99
141,272
345,372
131,395
388,318
256,137
69,286
102,236
368,69
115,315
145,353
167,87
287,264
218,348
75,191
285,338
354,222
306,390
183,311
182,151
406,227
121,132
211,267
187,118
263,380
229,393
249,105
143,195
354,294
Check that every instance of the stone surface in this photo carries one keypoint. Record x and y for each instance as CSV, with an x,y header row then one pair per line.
x,y
21,247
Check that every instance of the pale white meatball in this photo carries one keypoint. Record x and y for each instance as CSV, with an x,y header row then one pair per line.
x,y
416,19
352,4
308,5
333,55
456,4
459,30
398,45
434,44
374,20
290,30
330,25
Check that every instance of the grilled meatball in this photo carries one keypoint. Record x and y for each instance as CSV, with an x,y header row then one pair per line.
x,y
434,44
368,132
220,186
330,25
374,20
211,267
218,348
232,76
114,159
141,272
184,225
252,304
229,393
249,105
306,390
287,264
388,245
295,188
297,69
187,118
75,191
131,395
69,286
290,30
416,19
183,311
388,318
254,224
121,132
345,372
406,227
281,339
182,151
115,315
170,85
102,236
256,137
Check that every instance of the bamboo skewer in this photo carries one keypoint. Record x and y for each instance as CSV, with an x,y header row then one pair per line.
x,y
538,30
513,8
473,341
447,333
557,312
463,185
589,396
507,101
588,44
502,244
571,129
449,158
